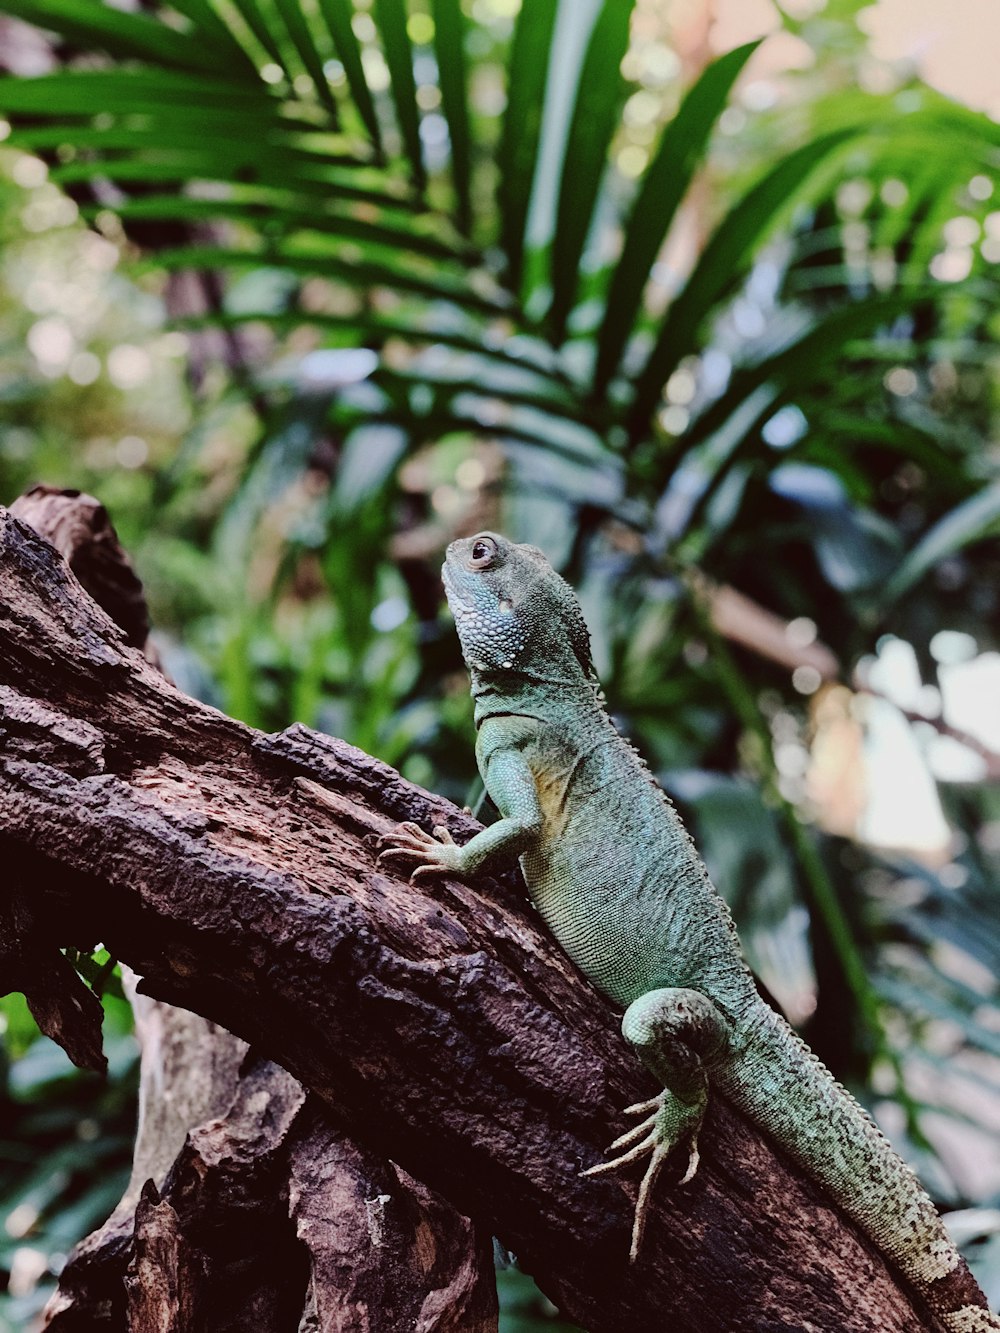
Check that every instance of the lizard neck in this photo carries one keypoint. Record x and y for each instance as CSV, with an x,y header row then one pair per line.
x,y
549,695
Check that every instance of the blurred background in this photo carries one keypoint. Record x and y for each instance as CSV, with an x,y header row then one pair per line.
x,y
700,296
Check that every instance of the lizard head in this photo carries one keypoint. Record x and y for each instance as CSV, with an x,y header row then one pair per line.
x,y
513,611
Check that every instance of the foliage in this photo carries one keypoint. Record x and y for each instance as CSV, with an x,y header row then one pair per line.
x,y
65,1148
430,313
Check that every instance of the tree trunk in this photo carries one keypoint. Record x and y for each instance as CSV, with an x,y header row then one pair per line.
x,y
435,1022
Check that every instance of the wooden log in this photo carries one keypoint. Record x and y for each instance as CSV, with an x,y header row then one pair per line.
x,y
439,1020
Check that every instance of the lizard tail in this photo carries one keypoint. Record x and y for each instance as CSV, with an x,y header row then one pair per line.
x,y
783,1087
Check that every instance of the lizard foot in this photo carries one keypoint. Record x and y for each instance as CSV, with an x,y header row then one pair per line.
x,y
667,1121
433,855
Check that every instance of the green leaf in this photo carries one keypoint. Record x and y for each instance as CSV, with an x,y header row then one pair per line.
x,y
337,14
264,212
301,34
663,187
93,25
87,92
272,138
449,47
723,263
183,166
252,15
370,328
522,391
391,15
361,273
600,92
522,125
797,364
211,27
971,521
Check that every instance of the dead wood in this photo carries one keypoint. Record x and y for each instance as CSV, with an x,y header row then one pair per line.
x,y
247,1207
438,1021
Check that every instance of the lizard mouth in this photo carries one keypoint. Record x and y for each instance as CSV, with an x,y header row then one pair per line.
x,y
455,599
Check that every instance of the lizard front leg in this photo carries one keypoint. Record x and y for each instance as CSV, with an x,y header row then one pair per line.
x,y
511,785
677,1034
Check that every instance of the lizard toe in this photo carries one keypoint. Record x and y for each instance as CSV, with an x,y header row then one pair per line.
x,y
693,1160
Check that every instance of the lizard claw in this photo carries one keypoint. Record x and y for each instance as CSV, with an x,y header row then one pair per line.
x,y
406,841
429,853
666,1123
693,1160
425,872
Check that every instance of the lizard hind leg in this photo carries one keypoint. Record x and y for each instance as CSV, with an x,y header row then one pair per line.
x,y
678,1034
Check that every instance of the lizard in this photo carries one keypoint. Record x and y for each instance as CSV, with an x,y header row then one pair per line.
x,y
614,874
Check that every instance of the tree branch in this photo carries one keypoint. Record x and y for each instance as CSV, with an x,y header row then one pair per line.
x,y
247,1206
438,1020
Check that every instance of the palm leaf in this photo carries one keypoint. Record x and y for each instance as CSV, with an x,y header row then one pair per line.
x,y
210,27
449,46
298,257
592,124
725,259
393,234
89,92
337,14
522,126
257,25
94,25
971,521
391,15
305,44
663,187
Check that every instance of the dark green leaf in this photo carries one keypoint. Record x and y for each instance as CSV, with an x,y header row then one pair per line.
x,y
211,27
337,14
391,16
253,17
449,47
723,263
266,211
797,363
599,95
87,92
362,273
374,328
328,182
273,145
301,34
94,25
522,123
971,521
663,186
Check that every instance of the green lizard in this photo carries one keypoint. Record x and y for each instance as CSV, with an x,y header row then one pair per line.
x,y
616,877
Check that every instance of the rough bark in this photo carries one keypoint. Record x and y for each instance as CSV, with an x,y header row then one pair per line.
x,y
437,1020
243,1192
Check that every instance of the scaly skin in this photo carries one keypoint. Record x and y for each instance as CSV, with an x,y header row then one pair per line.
x,y
614,874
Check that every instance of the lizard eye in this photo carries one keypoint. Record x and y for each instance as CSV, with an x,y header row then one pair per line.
x,y
483,551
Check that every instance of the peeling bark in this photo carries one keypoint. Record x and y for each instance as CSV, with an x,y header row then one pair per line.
x,y
437,1022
